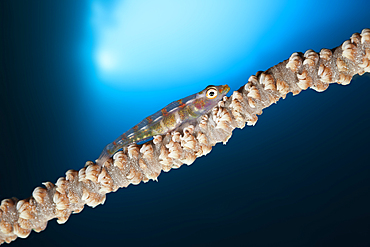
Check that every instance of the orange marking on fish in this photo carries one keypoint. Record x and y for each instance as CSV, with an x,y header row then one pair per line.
x,y
181,104
164,112
150,120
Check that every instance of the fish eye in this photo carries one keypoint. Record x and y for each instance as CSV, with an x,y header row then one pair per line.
x,y
211,93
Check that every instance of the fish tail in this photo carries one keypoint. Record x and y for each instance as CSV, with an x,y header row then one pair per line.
x,y
106,154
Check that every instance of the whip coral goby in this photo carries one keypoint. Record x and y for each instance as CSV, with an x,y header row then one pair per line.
x,y
174,115
136,163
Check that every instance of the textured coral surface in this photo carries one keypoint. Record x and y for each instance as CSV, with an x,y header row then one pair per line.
x,y
141,163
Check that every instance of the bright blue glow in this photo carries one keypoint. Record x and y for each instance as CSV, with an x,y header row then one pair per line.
x,y
142,55
146,54
60,107
151,44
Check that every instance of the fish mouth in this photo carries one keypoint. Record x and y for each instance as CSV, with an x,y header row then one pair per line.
x,y
226,89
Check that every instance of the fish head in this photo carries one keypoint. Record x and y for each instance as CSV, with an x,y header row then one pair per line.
x,y
210,96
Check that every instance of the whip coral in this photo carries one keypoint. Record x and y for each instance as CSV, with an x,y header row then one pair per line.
x,y
145,162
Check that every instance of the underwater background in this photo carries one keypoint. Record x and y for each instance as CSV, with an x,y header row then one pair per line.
x,y
74,75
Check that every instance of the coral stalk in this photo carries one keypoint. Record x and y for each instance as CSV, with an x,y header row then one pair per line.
x,y
136,163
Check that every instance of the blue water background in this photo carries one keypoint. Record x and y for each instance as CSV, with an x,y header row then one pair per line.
x,y
74,75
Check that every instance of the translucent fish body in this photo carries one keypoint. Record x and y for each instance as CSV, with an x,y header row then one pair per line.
x,y
167,119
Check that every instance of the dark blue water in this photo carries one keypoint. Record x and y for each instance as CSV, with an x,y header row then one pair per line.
x,y
74,75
